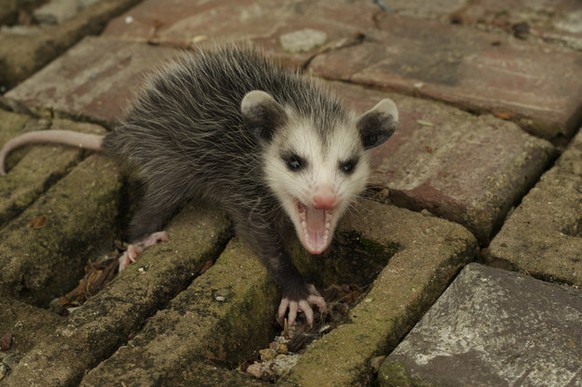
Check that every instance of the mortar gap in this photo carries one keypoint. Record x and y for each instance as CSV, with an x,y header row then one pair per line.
x,y
343,274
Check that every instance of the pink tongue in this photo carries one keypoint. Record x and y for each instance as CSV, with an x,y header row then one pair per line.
x,y
315,220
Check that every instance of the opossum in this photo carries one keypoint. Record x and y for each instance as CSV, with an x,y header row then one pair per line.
x,y
274,149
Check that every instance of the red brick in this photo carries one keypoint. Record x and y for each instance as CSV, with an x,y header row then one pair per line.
x,y
543,236
183,22
426,9
96,79
466,168
26,48
471,69
554,21
549,21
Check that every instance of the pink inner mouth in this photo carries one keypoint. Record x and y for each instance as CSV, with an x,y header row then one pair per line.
x,y
315,228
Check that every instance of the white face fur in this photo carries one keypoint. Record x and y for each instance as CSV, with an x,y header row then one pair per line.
x,y
315,182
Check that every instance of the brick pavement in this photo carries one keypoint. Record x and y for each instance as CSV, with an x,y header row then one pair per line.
x,y
486,109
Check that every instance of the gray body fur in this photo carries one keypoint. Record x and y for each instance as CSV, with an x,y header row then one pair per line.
x,y
188,136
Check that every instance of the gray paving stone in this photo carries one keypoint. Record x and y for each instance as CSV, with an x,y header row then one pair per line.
x,y
469,68
493,327
59,11
466,168
543,236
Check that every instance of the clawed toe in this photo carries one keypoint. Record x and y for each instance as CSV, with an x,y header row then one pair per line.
x,y
134,250
152,239
293,307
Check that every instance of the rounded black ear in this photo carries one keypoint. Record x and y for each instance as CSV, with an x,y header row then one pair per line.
x,y
378,124
262,114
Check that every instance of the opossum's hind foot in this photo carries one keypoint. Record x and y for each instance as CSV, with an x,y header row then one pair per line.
x,y
134,250
301,305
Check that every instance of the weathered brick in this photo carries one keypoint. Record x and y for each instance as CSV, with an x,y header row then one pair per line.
x,y
39,169
26,49
469,68
93,332
494,164
552,21
194,373
197,326
97,79
466,168
441,9
493,327
45,248
543,236
26,323
8,11
268,24
11,124
55,11
431,251
547,21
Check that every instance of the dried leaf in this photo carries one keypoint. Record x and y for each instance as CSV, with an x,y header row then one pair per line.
x,y
38,222
503,115
6,341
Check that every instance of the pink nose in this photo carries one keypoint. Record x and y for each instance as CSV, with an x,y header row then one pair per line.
x,y
324,199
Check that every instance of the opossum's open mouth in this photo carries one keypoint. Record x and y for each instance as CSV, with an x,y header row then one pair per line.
x,y
316,227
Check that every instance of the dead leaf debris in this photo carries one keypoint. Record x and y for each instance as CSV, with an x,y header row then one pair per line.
x,y
285,350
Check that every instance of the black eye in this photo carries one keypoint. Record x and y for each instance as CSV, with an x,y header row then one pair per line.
x,y
348,167
294,162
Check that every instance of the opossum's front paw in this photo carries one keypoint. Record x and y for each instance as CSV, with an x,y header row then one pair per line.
x,y
134,250
302,304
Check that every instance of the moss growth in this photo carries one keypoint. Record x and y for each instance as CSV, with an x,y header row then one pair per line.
x,y
351,259
395,374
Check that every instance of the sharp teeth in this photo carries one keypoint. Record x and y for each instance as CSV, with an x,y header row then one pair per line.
x,y
320,240
302,211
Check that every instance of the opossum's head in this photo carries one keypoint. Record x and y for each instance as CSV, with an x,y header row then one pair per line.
x,y
314,171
